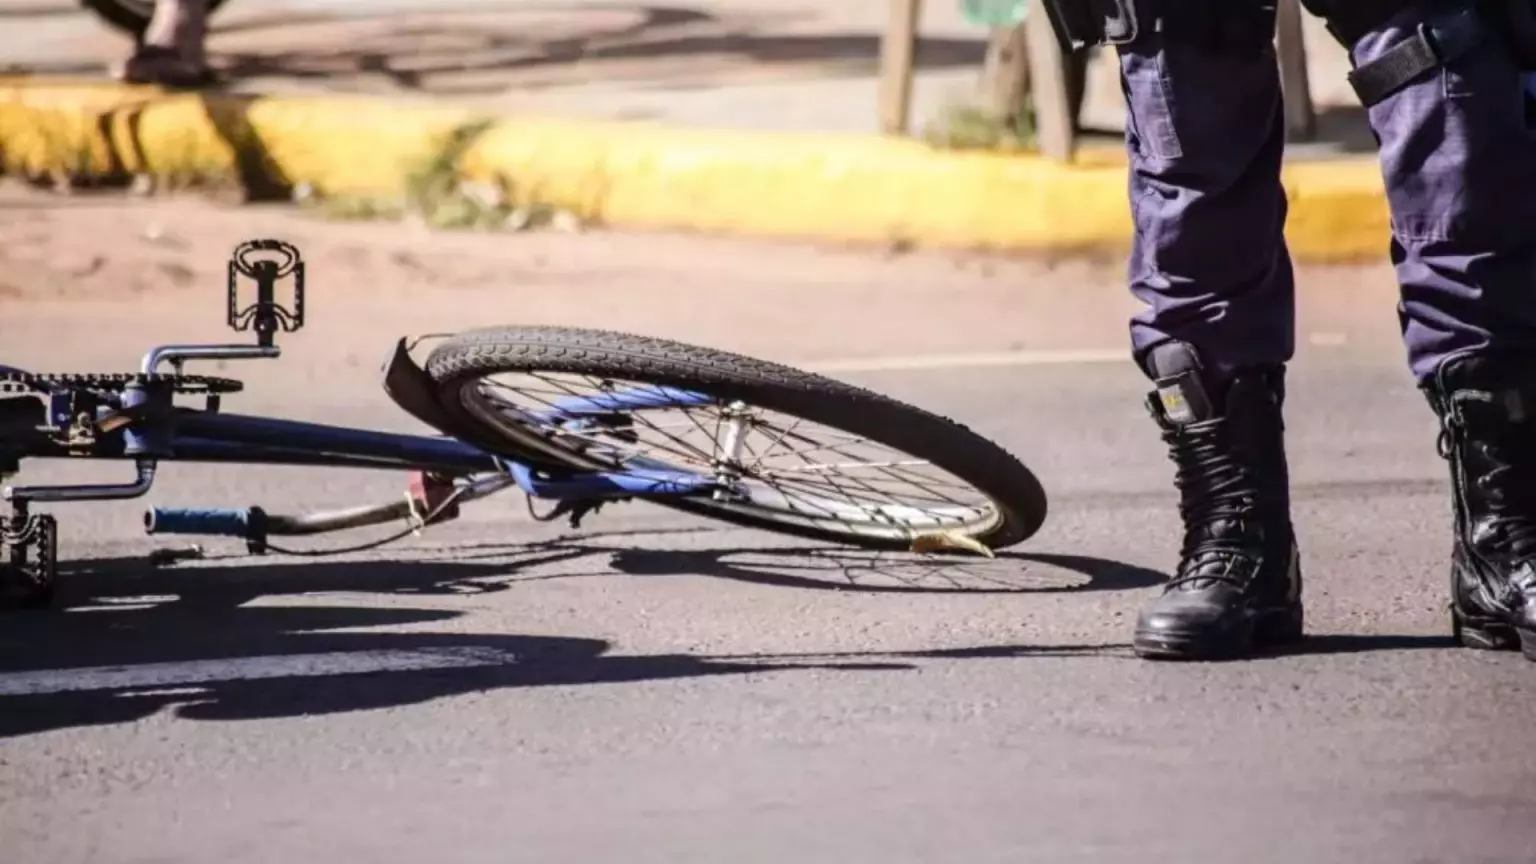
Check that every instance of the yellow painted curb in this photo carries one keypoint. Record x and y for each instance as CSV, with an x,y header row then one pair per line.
x,y
824,186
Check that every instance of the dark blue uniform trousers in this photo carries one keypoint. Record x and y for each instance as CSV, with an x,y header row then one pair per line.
x,y
1205,133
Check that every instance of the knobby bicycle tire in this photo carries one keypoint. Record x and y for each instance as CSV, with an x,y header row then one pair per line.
x,y
459,362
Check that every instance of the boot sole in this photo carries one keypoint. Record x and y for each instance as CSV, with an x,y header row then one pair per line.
x,y
1483,634
1269,629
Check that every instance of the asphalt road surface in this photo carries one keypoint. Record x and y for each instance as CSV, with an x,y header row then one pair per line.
x,y
660,688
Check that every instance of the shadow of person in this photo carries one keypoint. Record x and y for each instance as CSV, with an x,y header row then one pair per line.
x,y
459,51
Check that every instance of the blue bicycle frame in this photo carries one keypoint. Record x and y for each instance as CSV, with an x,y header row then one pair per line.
x,y
138,420
214,437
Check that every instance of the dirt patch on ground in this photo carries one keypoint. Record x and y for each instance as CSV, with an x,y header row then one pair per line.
x,y
160,265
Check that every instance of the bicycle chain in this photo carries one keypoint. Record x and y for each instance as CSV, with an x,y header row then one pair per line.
x,y
108,382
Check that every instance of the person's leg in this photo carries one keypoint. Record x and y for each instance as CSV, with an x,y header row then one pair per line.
x,y
1458,154
1206,135
174,51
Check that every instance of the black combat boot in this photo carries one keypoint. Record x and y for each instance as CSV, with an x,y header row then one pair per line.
x,y
1487,410
1238,583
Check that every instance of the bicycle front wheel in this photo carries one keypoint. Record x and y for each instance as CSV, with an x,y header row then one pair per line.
x,y
792,452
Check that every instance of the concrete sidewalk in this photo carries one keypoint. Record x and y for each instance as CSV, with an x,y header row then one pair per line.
x,y
729,116
782,65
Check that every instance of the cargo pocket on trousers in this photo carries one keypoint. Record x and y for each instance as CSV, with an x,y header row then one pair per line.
x,y
1149,110
1460,154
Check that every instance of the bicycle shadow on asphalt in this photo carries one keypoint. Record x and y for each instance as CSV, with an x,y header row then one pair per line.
x,y
846,569
214,642
842,569
830,568
115,653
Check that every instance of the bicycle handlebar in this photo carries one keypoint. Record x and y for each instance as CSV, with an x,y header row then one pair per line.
x,y
254,523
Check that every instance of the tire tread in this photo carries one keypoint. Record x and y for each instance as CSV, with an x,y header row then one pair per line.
x,y
941,440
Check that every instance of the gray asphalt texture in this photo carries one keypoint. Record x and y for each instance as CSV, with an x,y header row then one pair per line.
x,y
685,692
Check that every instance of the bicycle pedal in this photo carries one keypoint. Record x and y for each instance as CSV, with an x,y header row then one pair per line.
x,y
264,313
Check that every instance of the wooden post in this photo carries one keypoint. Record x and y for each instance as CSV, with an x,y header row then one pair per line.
x,y
1055,116
1300,116
897,55
1005,76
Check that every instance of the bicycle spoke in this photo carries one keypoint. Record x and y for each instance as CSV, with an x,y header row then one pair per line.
x,y
817,473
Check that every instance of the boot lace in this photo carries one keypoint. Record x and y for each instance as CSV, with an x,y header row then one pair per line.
x,y
1217,504
1508,484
